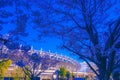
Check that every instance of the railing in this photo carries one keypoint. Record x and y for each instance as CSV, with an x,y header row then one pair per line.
x,y
56,57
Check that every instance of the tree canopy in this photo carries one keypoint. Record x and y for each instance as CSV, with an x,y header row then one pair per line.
x,y
63,72
4,65
89,30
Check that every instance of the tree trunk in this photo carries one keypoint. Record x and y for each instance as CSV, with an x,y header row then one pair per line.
x,y
116,75
104,73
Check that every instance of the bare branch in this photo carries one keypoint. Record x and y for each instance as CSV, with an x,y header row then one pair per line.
x,y
76,22
84,58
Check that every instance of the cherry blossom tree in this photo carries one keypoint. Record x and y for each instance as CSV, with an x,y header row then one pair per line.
x,y
33,64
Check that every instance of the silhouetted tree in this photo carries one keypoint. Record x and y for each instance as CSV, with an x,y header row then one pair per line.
x,y
14,14
88,30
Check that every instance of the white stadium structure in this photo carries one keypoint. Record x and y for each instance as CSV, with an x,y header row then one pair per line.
x,y
77,68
